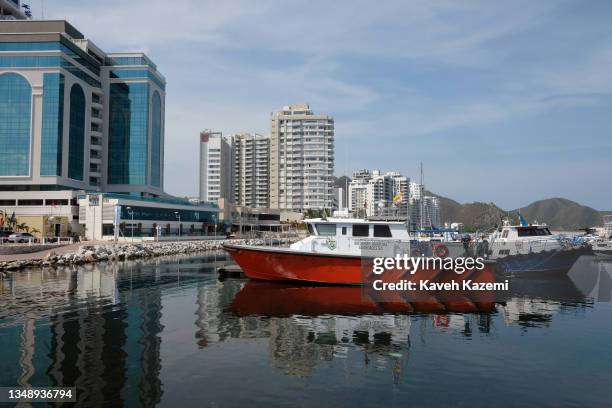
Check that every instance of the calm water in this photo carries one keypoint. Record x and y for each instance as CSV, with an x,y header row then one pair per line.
x,y
167,332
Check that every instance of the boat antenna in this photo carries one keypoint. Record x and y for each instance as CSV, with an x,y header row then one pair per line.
x,y
422,197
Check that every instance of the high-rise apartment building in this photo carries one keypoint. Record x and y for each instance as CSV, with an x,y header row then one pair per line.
x,y
377,194
13,10
424,209
251,170
76,117
215,167
301,159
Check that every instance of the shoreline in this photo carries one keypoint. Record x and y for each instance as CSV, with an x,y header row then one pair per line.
x,y
87,253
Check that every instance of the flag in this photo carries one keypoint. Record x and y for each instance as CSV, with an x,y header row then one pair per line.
x,y
13,219
397,199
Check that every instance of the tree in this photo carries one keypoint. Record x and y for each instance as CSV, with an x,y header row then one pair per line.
x,y
22,227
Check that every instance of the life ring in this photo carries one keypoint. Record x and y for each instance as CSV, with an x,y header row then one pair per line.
x,y
441,250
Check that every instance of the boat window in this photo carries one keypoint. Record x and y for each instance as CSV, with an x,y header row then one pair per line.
x,y
310,229
343,230
361,230
533,232
382,231
505,234
326,230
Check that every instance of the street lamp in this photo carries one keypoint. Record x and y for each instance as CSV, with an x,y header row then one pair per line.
x,y
131,212
178,215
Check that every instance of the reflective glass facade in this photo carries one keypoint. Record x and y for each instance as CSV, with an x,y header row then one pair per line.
x,y
69,49
156,134
76,144
128,133
52,125
138,73
15,119
166,214
47,62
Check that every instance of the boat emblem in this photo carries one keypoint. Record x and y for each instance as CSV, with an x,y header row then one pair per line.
x,y
331,244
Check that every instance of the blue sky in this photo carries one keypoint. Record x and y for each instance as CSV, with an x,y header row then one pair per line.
x,y
508,102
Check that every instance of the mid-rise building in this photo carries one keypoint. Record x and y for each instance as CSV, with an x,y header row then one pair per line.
x,y
301,159
251,161
80,119
75,121
215,167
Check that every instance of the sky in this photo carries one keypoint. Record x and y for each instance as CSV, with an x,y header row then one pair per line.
x,y
506,101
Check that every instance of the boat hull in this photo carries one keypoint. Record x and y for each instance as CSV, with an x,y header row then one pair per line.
x,y
287,265
274,264
559,261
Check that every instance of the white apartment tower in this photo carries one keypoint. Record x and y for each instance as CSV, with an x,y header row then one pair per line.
x,y
301,159
215,167
384,195
251,161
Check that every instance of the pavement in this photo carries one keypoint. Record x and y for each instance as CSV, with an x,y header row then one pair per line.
x,y
60,250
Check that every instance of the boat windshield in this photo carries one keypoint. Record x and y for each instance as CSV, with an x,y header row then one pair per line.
x,y
533,231
326,230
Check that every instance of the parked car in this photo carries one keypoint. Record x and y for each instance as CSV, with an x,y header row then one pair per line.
x,y
4,234
21,237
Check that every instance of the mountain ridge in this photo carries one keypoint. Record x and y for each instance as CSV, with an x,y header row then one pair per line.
x,y
557,212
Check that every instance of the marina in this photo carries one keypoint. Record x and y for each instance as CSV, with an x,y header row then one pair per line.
x,y
167,332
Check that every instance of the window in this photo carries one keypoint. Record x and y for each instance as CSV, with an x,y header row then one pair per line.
x,y
361,230
128,129
382,231
310,229
505,234
326,229
156,123
343,230
76,137
52,125
30,202
15,113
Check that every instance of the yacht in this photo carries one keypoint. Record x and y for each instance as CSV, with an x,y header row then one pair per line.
x,y
533,248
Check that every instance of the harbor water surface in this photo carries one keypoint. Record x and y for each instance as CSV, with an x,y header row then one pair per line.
x,y
169,332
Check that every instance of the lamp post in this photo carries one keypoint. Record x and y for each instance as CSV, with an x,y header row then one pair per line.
x,y
131,212
178,215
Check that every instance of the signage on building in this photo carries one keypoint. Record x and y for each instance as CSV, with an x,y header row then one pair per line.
x,y
94,200
204,137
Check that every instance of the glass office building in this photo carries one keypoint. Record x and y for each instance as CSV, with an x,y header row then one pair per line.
x,y
75,117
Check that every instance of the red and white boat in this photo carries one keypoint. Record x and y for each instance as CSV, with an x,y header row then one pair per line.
x,y
333,253
337,251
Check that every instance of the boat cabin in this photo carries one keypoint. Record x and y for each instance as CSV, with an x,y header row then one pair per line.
x,y
515,232
347,227
351,236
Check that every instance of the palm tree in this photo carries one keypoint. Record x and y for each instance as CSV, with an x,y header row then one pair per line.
x,y
22,227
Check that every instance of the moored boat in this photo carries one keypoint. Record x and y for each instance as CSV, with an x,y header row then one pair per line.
x,y
532,248
337,251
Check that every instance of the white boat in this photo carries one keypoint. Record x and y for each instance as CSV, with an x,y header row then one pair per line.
x,y
533,248
602,247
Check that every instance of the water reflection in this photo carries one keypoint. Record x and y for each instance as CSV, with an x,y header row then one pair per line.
x,y
102,327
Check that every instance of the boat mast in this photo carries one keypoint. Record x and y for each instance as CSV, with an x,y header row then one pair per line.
x,y
422,197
